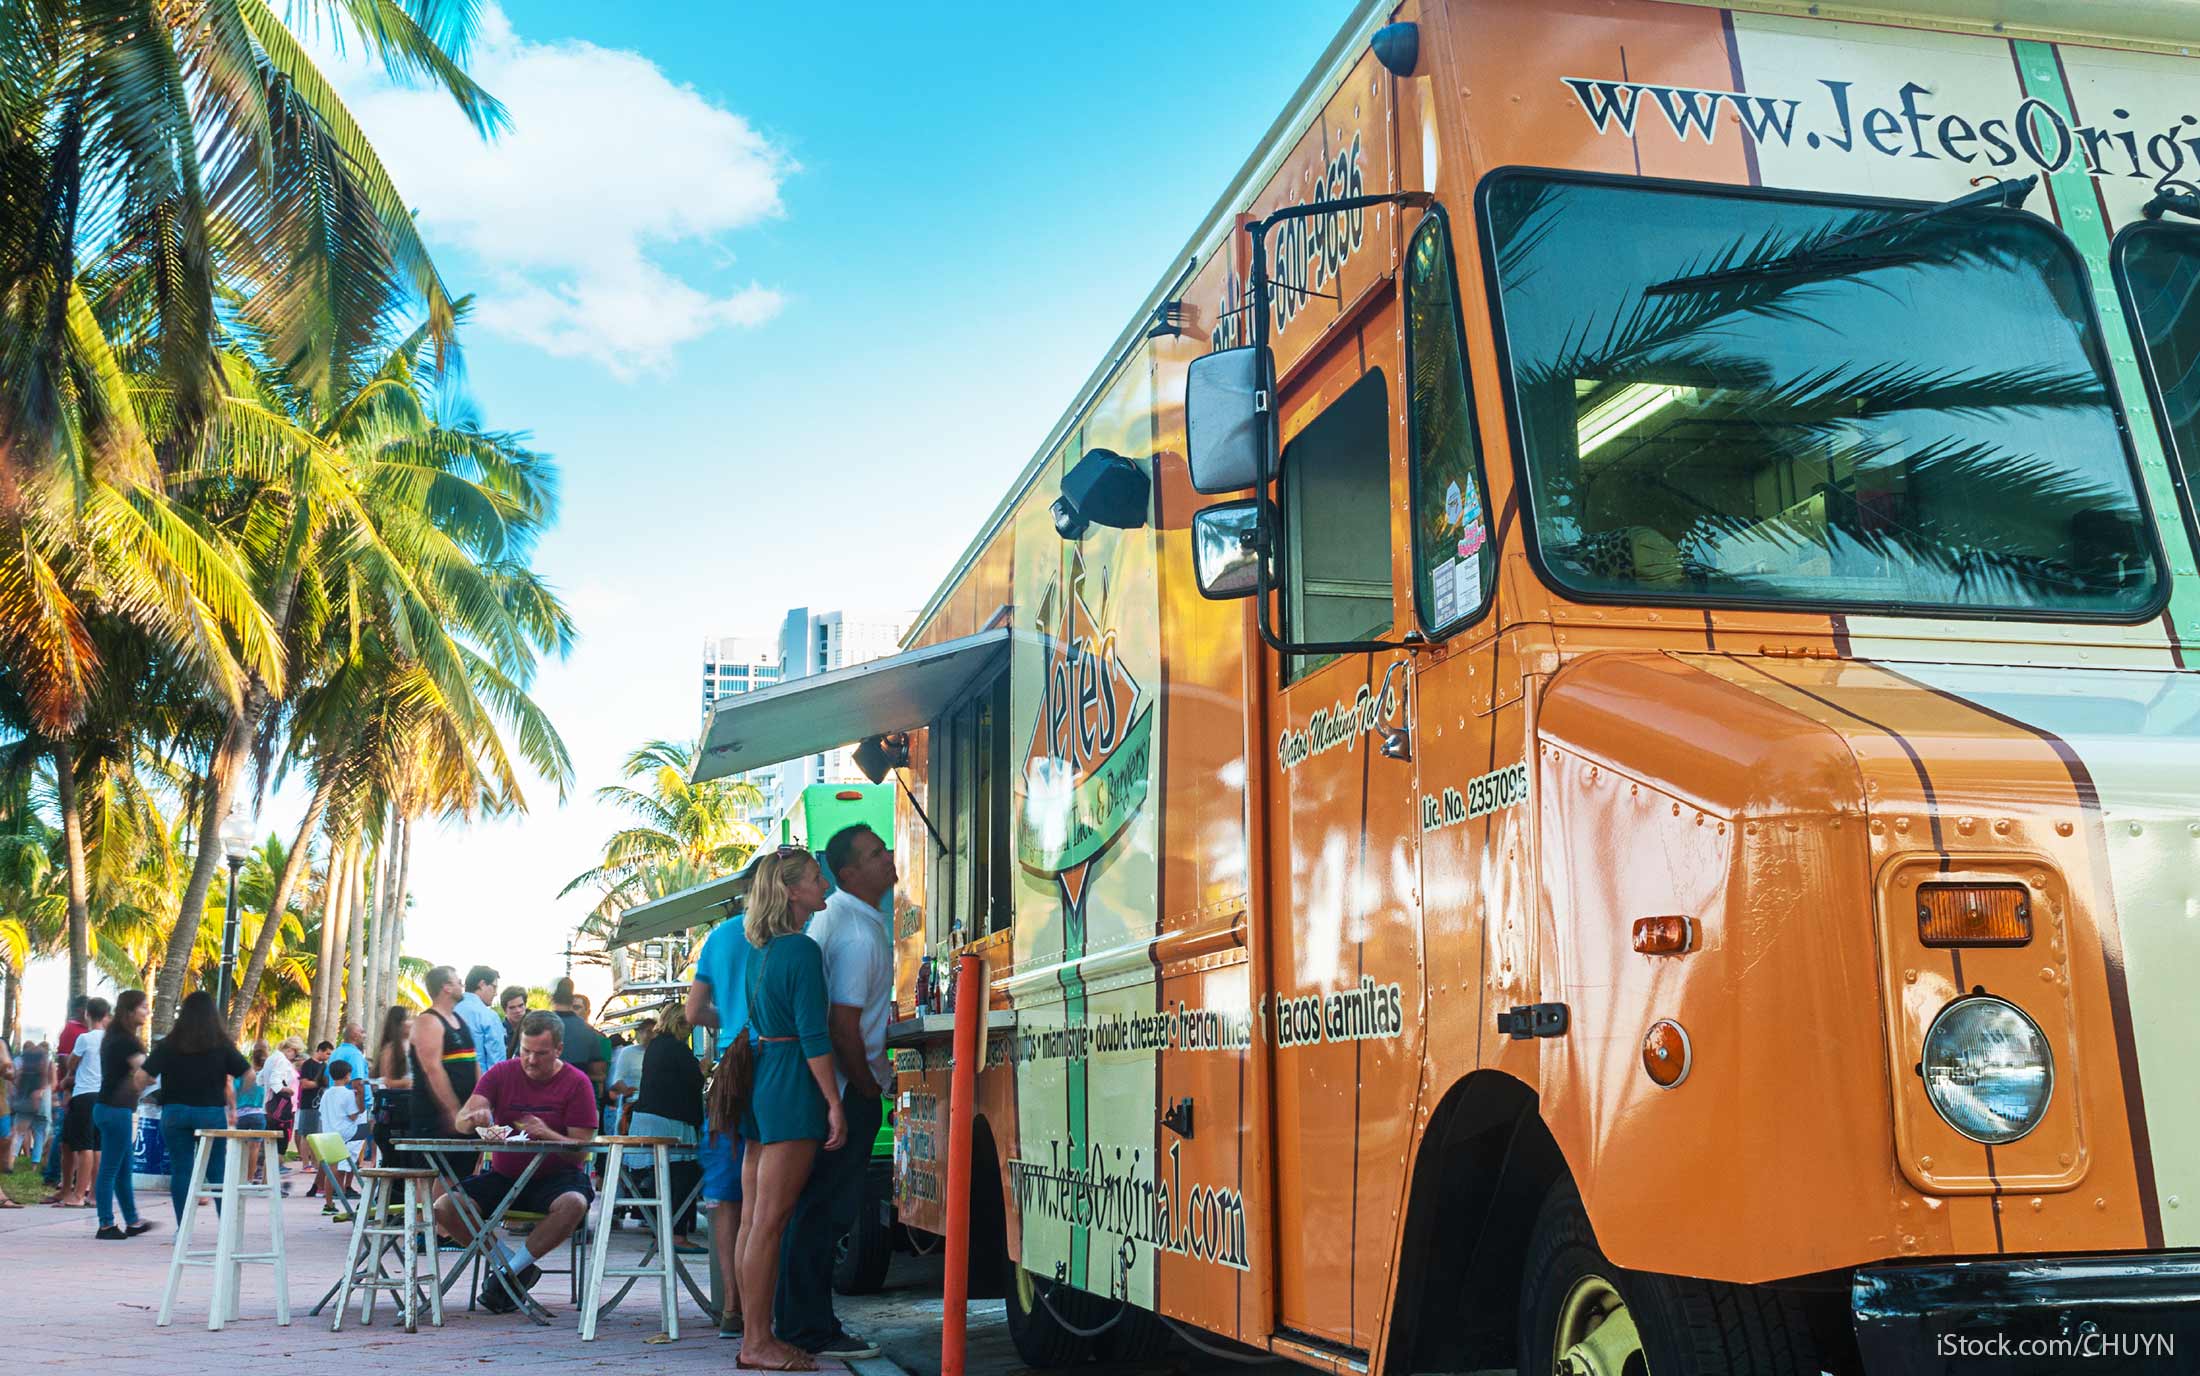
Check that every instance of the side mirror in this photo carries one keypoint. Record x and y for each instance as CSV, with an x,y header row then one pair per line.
x,y
1229,420
1226,549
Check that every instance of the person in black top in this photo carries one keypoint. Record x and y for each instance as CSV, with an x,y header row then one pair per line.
x,y
394,1077
312,1083
670,1104
115,1115
444,1062
197,1066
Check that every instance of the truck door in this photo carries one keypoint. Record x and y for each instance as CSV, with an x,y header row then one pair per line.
x,y
1344,928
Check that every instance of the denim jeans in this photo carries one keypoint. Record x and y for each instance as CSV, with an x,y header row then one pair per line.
x,y
40,1127
179,1128
802,1311
113,1185
53,1149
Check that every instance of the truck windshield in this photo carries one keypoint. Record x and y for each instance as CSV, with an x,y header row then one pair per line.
x,y
1924,426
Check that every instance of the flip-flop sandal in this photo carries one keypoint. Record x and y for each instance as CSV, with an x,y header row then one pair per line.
x,y
799,1364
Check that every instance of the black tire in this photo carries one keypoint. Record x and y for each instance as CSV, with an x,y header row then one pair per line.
x,y
868,1249
1044,1340
1138,1336
1687,1327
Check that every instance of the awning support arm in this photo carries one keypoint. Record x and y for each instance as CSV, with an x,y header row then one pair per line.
x,y
919,809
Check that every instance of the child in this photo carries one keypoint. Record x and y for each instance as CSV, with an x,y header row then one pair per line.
x,y
342,1114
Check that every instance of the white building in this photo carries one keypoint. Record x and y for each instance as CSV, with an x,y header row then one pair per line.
x,y
813,642
736,664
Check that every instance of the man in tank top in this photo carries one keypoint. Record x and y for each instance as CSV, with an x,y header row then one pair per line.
x,y
444,1064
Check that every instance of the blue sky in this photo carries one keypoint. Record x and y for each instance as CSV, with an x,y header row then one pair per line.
x,y
791,294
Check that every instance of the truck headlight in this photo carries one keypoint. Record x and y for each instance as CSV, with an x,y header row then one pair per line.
x,y
1987,1069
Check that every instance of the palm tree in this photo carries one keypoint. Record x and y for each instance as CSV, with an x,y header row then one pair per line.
x,y
683,833
201,142
405,699
399,581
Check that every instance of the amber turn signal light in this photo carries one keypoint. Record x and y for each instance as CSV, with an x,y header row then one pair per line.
x,y
1664,936
1666,1054
1974,914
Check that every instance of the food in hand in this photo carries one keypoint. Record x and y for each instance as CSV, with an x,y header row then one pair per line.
x,y
494,1132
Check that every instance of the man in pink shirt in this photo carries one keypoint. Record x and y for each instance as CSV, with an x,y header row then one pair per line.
x,y
539,1095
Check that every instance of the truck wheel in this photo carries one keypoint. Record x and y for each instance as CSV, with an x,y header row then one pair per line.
x,y
1138,1335
1042,1339
868,1248
1582,1316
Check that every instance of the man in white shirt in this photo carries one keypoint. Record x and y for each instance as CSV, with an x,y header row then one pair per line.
x,y
859,983
79,1138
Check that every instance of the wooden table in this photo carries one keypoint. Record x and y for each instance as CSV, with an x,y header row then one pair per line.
x,y
442,1153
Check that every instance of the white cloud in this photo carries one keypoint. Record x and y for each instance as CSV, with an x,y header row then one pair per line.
x,y
569,214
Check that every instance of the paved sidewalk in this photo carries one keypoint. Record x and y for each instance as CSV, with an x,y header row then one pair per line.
x,y
70,1303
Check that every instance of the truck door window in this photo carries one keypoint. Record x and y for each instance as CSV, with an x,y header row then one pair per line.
x,y
2158,267
1712,408
1453,557
1336,517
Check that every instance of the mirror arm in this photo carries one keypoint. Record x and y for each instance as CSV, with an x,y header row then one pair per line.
x,y
1257,290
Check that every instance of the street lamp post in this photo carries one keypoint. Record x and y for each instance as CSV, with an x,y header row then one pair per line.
x,y
236,847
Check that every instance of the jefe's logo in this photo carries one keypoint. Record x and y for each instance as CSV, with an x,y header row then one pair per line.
x,y
1085,774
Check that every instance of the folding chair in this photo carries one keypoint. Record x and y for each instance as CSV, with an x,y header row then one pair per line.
x,y
326,1150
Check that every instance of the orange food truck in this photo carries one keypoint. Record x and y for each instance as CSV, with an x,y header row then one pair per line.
x,y
1579,753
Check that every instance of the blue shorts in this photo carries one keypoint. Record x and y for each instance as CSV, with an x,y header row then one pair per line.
x,y
720,1155
7,1124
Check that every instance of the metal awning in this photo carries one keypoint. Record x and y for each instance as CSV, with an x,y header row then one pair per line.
x,y
676,912
805,716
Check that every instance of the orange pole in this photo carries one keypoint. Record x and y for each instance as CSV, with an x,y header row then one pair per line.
x,y
970,1008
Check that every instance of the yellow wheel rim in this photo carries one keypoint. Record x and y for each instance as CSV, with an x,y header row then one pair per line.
x,y
1027,1295
1596,1335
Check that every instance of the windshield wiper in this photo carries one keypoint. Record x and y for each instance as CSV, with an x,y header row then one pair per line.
x,y
2001,195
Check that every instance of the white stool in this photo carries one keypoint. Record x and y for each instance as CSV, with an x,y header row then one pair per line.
x,y
660,1261
227,1256
374,1236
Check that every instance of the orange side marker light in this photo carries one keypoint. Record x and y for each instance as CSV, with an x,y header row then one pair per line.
x,y
1666,1053
1664,936
1974,915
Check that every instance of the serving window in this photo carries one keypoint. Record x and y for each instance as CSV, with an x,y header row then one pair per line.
x,y
970,878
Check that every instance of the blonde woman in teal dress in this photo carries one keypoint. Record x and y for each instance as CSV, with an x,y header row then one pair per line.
x,y
795,1102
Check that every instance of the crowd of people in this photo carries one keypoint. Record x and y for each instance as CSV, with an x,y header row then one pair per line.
x,y
792,1005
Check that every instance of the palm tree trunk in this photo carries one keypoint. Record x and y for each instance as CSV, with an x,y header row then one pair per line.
x,y
13,980
326,975
298,861
79,879
397,901
359,919
385,916
370,910
221,791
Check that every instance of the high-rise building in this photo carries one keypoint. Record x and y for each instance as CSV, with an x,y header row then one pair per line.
x,y
736,664
814,642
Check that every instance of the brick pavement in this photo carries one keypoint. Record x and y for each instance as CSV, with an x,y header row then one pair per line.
x,y
70,1303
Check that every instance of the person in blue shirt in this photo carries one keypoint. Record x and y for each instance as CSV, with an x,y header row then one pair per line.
x,y
718,1001
353,1052
478,1011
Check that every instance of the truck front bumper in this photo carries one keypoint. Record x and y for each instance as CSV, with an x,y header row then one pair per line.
x,y
2098,1314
